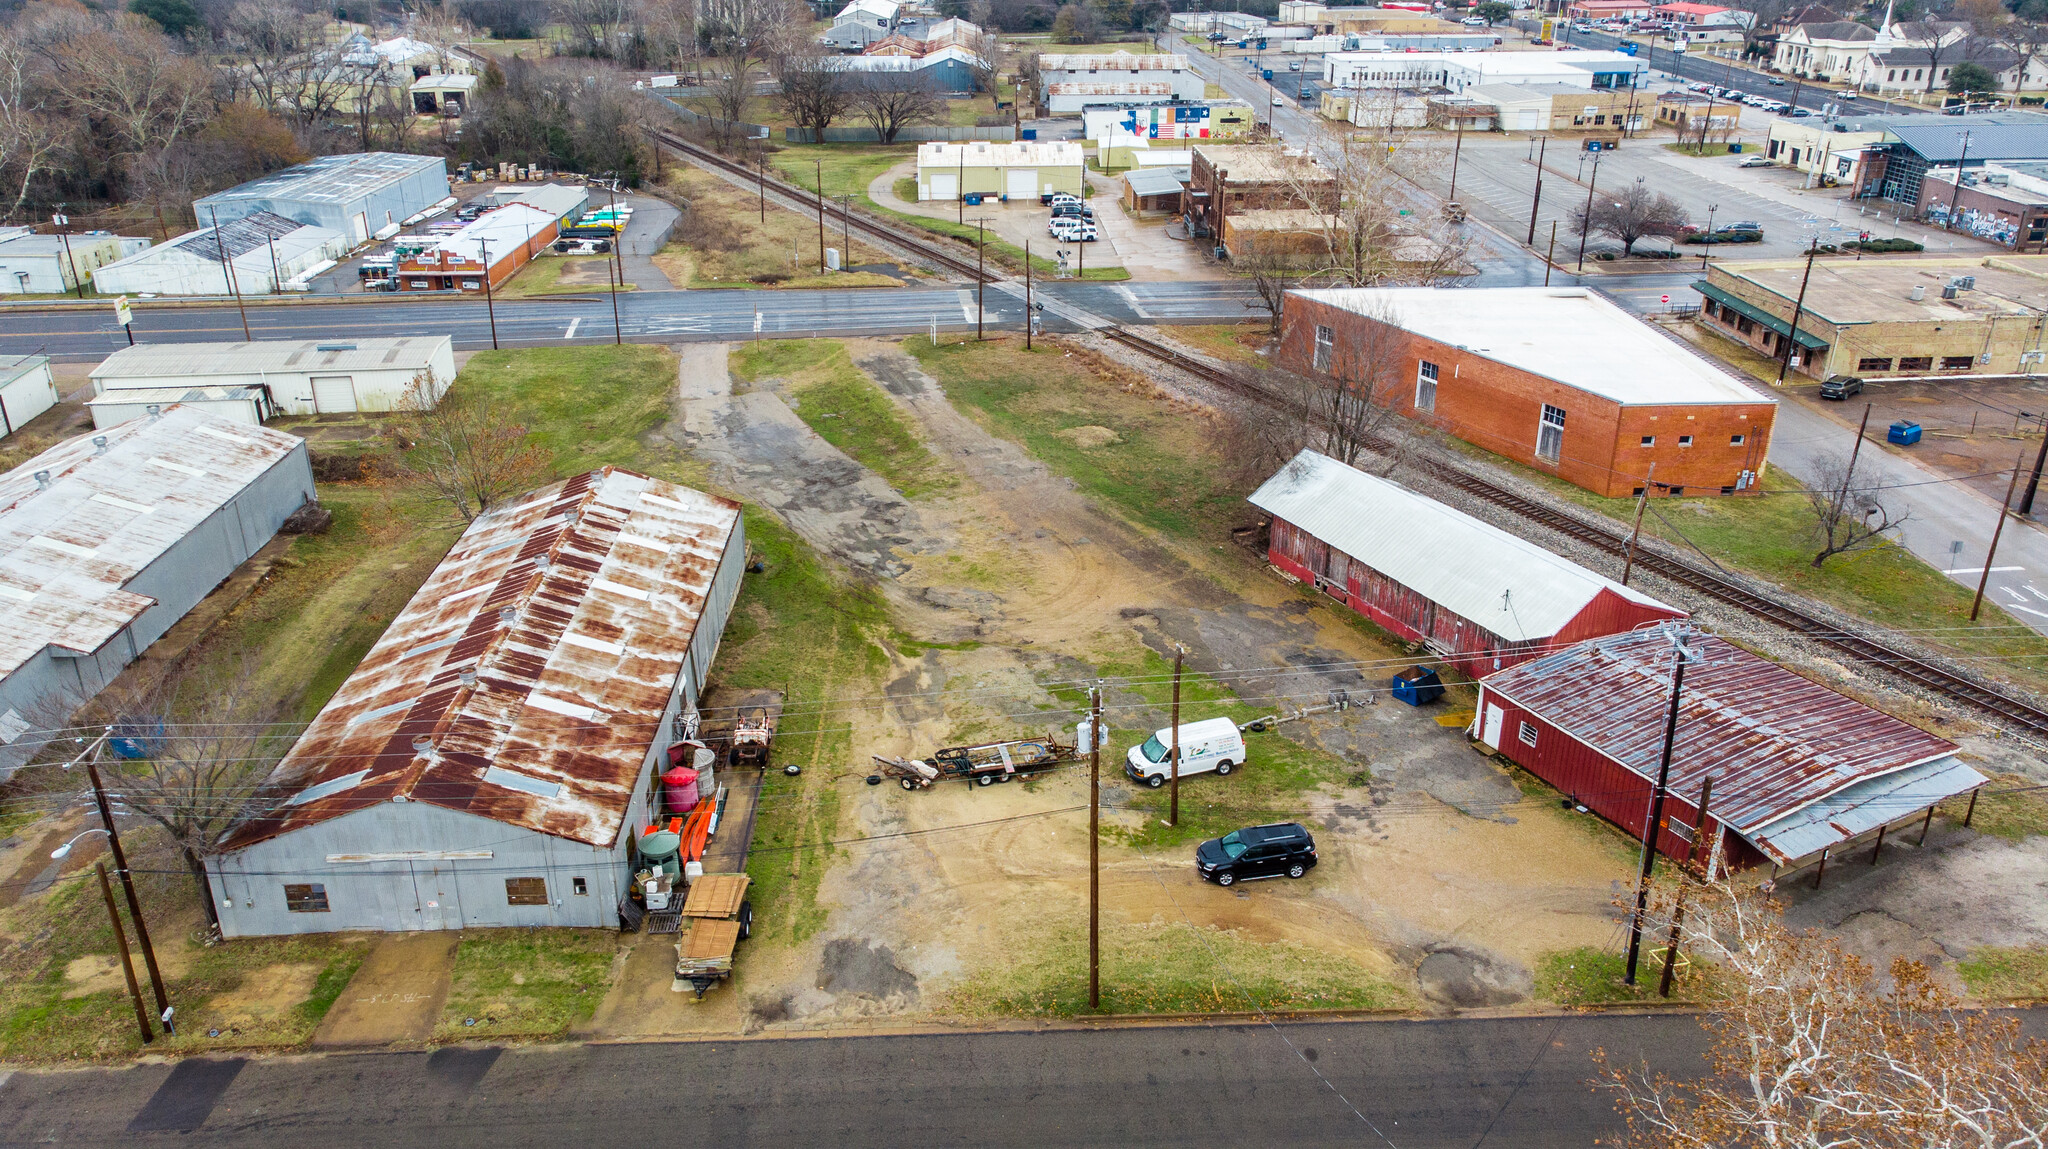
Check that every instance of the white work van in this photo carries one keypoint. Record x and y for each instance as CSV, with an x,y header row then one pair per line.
x,y
1211,744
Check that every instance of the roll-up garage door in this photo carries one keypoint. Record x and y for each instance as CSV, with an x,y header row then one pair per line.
x,y
333,393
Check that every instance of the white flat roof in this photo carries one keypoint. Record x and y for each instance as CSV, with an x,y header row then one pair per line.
x,y
1568,334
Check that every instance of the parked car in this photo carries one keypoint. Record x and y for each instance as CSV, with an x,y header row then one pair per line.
x,y
1756,161
1074,212
1295,66
1257,852
1774,81
1744,225
1841,387
1213,744
1796,113
1074,231
1699,88
1055,197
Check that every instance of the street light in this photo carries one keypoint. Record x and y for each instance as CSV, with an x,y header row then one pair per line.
x,y
1707,240
64,849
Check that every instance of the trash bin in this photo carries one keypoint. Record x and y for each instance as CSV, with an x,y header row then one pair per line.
x,y
1734,149
1028,134
1903,433
973,199
1418,685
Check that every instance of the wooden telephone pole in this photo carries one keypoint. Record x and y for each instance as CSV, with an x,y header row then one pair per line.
x,y
1095,848
1179,653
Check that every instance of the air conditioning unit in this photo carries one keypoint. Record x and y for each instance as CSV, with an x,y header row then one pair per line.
x,y
1967,282
1949,292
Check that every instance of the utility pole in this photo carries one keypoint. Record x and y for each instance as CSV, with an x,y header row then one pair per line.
x,y
980,271
1628,562
127,963
845,228
70,260
618,259
1457,148
761,169
819,166
1678,911
483,251
1635,926
1095,848
228,267
99,797
1587,223
1550,257
1536,201
2034,480
1798,311
1957,194
1706,247
1173,754
1028,313
960,186
1977,603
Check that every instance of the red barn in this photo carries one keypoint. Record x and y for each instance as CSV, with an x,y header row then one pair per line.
x,y
1479,597
1798,769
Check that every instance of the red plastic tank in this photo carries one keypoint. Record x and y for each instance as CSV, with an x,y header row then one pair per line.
x,y
679,790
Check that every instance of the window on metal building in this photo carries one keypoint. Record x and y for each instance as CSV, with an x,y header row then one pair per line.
x,y
526,891
1527,734
306,899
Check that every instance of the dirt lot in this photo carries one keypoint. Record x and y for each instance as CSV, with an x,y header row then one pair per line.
x,y
1011,592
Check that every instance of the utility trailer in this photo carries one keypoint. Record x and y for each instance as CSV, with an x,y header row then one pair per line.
x,y
981,764
720,918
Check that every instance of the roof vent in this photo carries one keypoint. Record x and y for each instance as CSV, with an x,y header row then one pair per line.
x,y
334,347
507,615
540,562
42,480
421,744
468,676
155,411
99,444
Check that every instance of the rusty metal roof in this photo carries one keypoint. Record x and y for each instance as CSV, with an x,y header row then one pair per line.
x,y
526,679
106,506
1773,742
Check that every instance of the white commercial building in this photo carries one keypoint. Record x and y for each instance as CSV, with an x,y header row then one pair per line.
x,y
1457,71
53,264
1181,81
292,376
1026,169
26,390
256,255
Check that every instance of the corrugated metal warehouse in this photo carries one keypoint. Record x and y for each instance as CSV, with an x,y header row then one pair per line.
x,y
249,406
266,252
1020,171
297,376
27,389
1479,597
490,760
108,539
357,195
1798,769
52,264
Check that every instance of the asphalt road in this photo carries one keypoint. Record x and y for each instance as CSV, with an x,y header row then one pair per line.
x,y
1411,1084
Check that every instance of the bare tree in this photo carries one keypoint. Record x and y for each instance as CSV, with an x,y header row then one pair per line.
x,y
726,95
206,743
286,62
1354,197
32,138
1933,42
1272,272
751,31
1810,1052
814,90
988,54
891,103
597,28
670,27
1846,520
2026,38
1629,215
462,452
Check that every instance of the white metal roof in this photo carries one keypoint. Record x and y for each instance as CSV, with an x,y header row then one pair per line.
x,y
340,179
280,356
1015,154
1508,585
1118,61
557,200
69,547
500,229
1568,334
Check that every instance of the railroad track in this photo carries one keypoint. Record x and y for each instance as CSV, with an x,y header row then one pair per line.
x,y
894,235
1909,667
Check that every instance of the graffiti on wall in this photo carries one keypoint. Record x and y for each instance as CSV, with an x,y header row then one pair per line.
x,y
1982,224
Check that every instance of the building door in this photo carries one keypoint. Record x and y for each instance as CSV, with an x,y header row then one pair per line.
x,y
362,226
946,186
438,904
333,393
1021,185
1526,119
1489,734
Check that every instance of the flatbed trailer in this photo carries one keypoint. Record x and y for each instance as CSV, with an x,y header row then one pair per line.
x,y
981,764
720,918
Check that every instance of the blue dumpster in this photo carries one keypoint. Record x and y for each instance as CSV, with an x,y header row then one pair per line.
x,y
1734,148
973,199
1418,685
1266,74
1903,433
1028,134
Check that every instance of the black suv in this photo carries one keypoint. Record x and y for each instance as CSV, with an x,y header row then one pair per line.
x,y
1841,387
1256,852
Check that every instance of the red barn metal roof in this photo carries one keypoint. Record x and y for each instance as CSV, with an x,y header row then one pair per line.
x,y
525,681
1773,742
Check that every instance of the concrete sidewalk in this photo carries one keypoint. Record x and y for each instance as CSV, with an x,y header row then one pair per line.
x,y
396,996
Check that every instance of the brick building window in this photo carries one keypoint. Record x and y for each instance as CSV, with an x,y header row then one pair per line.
x,y
1685,440
1952,362
1326,347
1916,363
1649,440
1735,440
1744,325
1425,386
1872,363
308,899
1550,434
526,891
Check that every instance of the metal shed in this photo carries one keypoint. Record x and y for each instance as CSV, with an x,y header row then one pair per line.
x,y
1798,769
357,195
27,389
108,539
488,762
248,406
298,376
264,253
1479,597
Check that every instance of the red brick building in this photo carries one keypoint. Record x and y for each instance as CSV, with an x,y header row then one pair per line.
x,y
1228,179
508,237
1558,379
